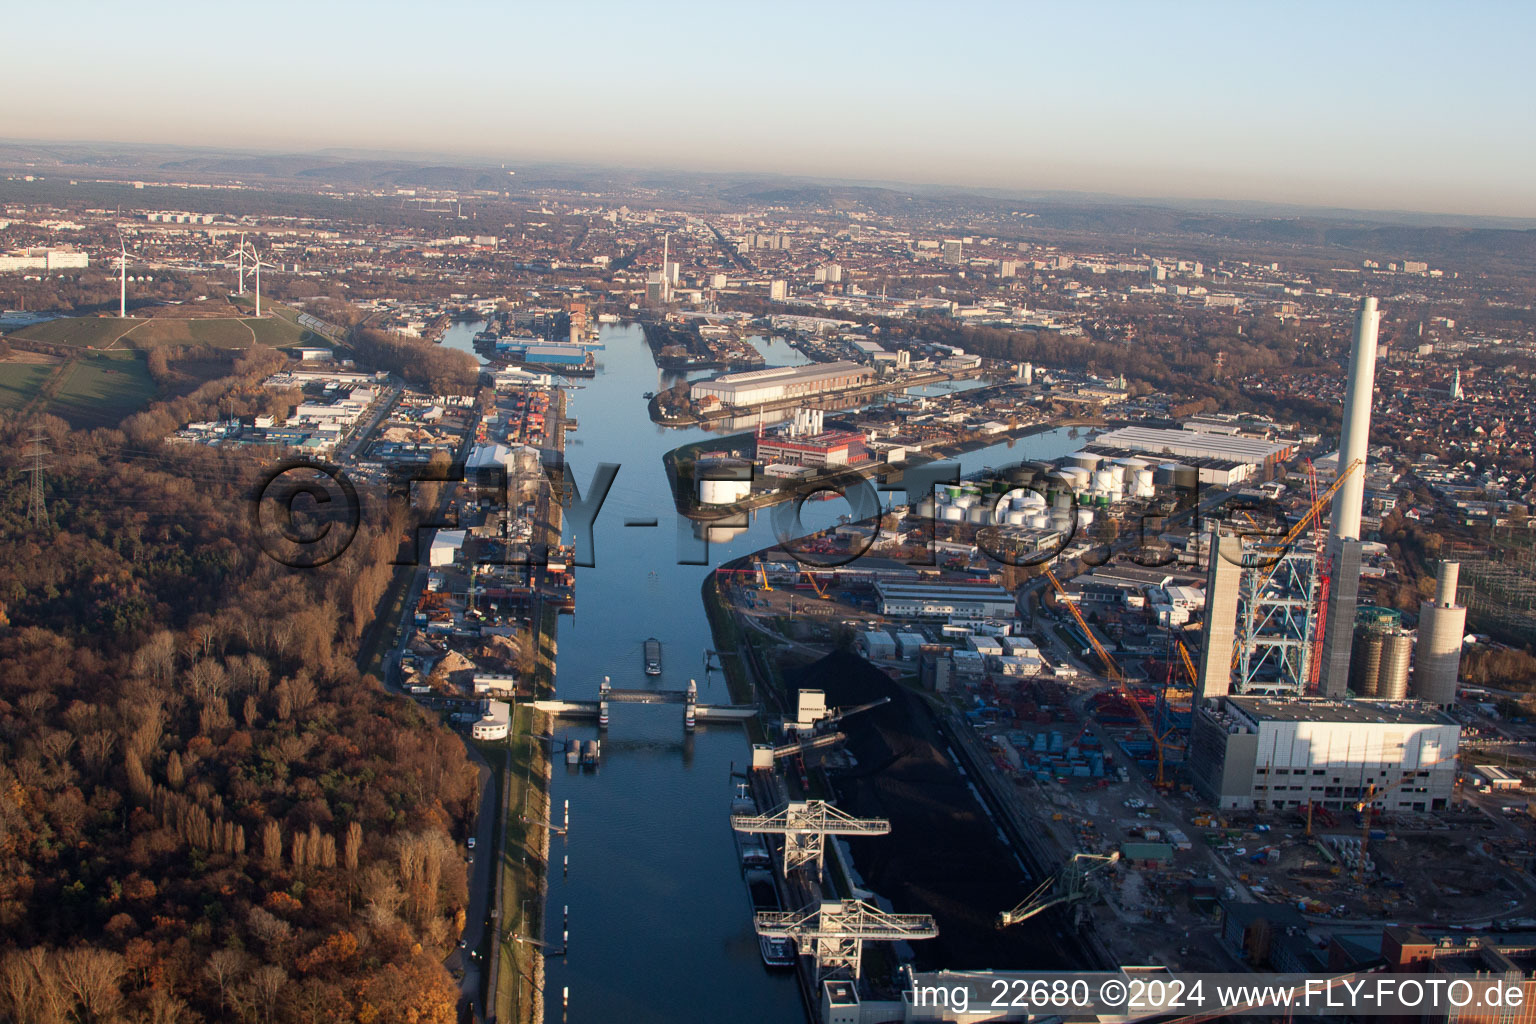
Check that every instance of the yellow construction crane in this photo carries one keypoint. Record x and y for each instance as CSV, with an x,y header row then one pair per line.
x,y
1189,663
762,575
1111,667
1114,674
821,591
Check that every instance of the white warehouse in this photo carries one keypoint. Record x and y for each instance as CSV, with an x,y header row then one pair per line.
x,y
757,387
907,600
1260,753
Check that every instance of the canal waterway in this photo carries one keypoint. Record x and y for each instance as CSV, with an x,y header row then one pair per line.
x,y
660,925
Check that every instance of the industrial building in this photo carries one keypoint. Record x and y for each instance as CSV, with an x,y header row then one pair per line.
x,y
757,387
495,721
1257,753
1255,452
829,448
1442,629
908,600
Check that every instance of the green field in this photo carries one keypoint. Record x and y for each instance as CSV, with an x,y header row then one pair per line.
x,y
219,332
102,388
20,381
85,331
280,333
276,329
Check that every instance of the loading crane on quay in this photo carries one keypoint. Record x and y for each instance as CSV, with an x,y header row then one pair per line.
x,y
1072,884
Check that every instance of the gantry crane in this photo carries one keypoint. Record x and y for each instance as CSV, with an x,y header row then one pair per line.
x,y
834,932
805,825
1069,885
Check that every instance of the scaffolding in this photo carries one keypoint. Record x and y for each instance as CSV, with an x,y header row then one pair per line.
x,y
1277,624
834,932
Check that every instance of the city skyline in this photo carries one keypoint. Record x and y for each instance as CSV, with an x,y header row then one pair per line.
x,y
1327,109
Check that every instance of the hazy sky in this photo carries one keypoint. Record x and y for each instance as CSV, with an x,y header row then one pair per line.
x,y
1373,105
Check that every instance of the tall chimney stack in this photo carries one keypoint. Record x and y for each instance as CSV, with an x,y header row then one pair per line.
x,y
1344,527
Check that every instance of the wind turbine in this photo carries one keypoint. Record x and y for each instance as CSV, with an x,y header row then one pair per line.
x,y
241,253
256,259
121,259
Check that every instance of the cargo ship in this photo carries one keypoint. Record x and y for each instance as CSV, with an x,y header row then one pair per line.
x,y
764,897
751,847
653,657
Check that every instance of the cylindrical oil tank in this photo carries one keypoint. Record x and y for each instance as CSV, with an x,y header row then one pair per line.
x,y
1083,460
953,514
1396,653
1143,486
1104,481
1365,663
1039,520
925,508
965,500
979,514
1084,518
1018,517
1163,474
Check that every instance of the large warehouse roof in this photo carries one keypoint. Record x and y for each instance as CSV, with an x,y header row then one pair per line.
x,y
1196,444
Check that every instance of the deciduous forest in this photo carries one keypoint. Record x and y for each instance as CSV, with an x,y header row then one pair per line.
x,y
206,812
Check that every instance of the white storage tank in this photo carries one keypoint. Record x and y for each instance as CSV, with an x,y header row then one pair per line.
x,y
1039,520
1084,518
1143,486
953,514
1083,460
1019,517
965,500
1104,481
723,492
979,514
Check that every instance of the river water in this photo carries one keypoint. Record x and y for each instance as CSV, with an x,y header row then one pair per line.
x,y
660,925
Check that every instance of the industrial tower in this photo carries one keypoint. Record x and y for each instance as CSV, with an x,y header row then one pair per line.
x,y
37,510
1442,628
1344,533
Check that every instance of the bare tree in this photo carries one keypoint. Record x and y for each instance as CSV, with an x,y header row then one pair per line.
x,y
225,968
93,977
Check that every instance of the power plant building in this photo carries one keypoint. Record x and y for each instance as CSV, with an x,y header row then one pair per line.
x,y
1262,753
775,384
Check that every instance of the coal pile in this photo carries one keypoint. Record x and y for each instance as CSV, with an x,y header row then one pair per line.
x,y
943,855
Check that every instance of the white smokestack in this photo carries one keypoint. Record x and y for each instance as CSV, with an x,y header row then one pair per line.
x,y
1356,432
